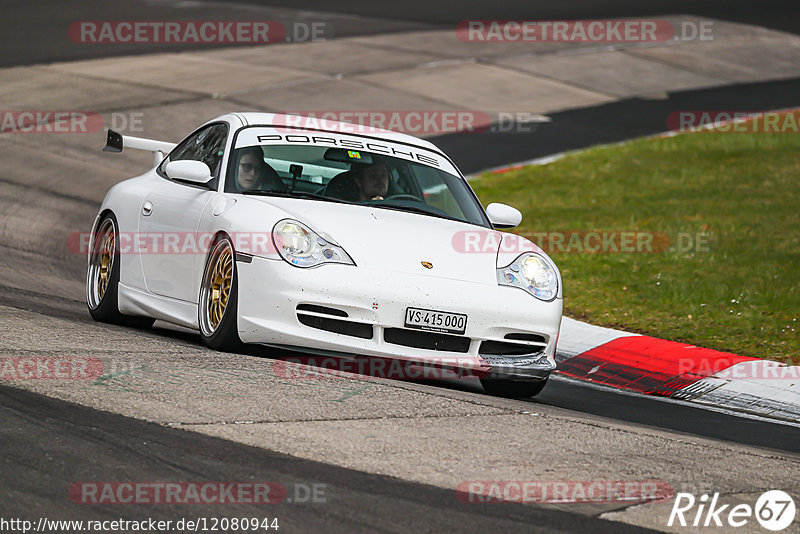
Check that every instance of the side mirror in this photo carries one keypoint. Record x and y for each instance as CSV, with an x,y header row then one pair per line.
x,y
187,170
503,215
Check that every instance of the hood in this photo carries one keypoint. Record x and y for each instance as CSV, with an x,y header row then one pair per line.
x,y
397,241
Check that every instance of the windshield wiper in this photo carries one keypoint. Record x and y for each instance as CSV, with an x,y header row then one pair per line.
x,y
415,209
292,194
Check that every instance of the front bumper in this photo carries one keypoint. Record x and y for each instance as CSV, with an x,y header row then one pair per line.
x,y
271,290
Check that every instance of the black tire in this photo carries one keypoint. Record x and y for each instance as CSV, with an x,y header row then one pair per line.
x,y
513,389
219,334
102,282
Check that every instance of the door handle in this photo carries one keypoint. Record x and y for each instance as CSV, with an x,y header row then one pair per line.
x,y
147,208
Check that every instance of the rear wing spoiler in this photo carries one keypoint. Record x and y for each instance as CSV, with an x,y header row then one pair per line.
x,y
116,141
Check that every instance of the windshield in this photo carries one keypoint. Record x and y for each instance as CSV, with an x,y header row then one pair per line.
x,y
352,176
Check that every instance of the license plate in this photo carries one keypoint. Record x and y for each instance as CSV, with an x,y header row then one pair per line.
x,y
436,321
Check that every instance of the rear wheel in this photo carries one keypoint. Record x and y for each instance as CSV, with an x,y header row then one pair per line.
x,y
217,307
512,388
102,278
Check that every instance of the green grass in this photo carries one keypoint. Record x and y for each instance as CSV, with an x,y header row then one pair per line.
x,y
742,190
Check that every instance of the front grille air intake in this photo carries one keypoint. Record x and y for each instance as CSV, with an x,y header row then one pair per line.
x,y
426,340
337,326
532,338
501,348
321,309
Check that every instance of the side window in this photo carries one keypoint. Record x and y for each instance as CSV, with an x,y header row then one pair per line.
x,y
206,145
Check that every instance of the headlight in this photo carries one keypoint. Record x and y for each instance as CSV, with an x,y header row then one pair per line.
x,y
302,247
533,273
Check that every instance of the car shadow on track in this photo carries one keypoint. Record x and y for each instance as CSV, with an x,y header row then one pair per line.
x,y
299,362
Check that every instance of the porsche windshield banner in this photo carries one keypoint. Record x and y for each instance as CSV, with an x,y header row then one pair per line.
x,y
280,136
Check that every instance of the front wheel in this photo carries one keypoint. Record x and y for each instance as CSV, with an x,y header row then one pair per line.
x,y
217,306
102,278
512,389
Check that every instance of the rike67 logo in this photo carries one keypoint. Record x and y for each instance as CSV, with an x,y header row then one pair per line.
x,y
774,510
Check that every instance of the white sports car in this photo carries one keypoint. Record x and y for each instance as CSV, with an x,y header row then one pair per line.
x,y
331,239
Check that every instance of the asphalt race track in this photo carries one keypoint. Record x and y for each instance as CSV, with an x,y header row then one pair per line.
x,y
48,444
60,438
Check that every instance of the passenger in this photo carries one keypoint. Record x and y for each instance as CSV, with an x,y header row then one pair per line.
x,y
372,181
253,173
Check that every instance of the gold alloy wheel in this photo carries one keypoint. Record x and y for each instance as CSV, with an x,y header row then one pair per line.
x,y
216,288
106,263
220,288
102,263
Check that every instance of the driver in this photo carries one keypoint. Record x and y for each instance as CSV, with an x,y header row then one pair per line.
x,y
254,173
372,181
